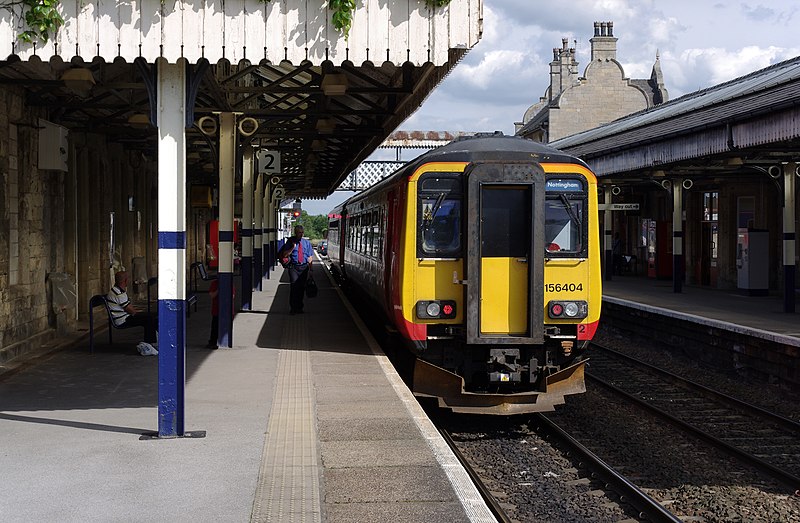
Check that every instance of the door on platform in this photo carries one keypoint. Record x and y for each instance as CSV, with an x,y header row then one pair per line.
x,y
709,239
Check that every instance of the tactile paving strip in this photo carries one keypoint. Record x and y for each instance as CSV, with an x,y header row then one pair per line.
x,y
288,487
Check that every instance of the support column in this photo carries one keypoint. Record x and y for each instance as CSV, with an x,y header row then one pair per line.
x,y
269,256
789,236
607,239
227,163
274,219
247,228
171,101
677,236
258,255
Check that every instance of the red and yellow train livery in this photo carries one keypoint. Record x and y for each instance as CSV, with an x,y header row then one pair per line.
x,y
484,254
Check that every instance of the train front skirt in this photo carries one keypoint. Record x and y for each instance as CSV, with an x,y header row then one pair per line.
x,y
433,381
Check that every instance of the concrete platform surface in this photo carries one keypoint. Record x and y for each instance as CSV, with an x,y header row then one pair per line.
x,y
304,420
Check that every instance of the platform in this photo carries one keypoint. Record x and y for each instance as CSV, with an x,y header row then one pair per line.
x,y
761,315
304,420
749,337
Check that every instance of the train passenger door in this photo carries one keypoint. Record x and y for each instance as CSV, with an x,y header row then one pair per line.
x,y
505,257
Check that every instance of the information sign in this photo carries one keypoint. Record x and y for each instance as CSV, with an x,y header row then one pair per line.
x,y
269,162
618,206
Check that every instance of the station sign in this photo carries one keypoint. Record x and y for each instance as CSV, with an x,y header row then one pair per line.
x,y
278,194
618,206
269,162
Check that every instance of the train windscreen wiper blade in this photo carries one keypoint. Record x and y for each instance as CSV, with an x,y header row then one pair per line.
x,y
435,209
570,210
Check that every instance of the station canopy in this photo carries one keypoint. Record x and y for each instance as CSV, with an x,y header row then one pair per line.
x,y
323,101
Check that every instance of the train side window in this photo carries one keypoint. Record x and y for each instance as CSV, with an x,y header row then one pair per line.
x,y
439,215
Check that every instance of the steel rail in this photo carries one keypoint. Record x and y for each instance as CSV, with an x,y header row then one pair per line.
x,y
648,508
781,475
491,502
785,422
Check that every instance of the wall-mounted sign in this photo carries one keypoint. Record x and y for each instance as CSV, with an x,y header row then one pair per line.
x,y
618,206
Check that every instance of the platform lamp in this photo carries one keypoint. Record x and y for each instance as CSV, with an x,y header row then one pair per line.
x,y
139,120
326,125
334,84
79,80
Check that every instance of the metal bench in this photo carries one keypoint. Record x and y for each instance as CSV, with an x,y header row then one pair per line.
x,y
100,300
197,269
190,300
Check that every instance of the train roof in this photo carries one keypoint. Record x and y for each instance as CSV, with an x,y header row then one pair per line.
x,y
481,146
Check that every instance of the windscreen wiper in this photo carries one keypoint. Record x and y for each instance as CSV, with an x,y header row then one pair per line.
x,y
435,209
570,210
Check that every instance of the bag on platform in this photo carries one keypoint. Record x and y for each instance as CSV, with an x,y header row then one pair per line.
x,y
311,287
285,254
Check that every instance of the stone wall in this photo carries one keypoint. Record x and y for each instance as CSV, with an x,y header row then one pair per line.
x,y
603,96
59,222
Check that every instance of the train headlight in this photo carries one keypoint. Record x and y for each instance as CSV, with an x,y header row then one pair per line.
x,y
433,309
429,309
571,309
567,309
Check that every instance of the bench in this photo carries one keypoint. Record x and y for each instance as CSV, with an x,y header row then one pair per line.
x,y
197,269
190,300
100,300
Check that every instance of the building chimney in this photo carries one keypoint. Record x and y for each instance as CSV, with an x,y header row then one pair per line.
x,y
604,45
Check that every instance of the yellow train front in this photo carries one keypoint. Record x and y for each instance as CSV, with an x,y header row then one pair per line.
x,y
484,254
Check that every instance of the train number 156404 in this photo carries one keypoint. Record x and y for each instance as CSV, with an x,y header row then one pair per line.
x,y
563,287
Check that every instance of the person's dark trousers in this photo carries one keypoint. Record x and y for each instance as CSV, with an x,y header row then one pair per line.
x,y
148,321
214,336
298,275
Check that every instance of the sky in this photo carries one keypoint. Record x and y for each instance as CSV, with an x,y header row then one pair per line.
x,y
700,43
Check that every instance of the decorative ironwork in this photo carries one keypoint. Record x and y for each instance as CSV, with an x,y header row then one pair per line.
x,y
368,174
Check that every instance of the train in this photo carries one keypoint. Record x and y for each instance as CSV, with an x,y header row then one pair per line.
x,y
483,256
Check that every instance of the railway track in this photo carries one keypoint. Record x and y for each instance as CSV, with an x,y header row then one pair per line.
x,y
649,509
755,436
588,466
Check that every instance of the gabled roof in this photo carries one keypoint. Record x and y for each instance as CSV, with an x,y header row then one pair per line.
x,y
756,93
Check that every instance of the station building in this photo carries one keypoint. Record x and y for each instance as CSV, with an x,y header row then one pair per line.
x,y
700,190
713,178
574,103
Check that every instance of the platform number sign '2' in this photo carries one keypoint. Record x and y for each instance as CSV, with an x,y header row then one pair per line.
x,y
269,162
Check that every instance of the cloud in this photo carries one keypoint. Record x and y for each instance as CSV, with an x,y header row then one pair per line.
x,y
759,12
700,44
700,68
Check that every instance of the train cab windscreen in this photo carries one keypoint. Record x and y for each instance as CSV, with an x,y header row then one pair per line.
x,y
565,207
439,216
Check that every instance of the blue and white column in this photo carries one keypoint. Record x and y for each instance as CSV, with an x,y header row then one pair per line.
x,y
677,236
171,92
247,228
790,171
258,255
269,256
227,163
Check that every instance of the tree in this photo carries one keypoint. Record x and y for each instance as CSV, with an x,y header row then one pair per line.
x,y
314,227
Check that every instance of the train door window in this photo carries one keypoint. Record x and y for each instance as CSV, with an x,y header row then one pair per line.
x,y
364,237
565,223
439,215
375,240
502,210
379,228
356,231
367,233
